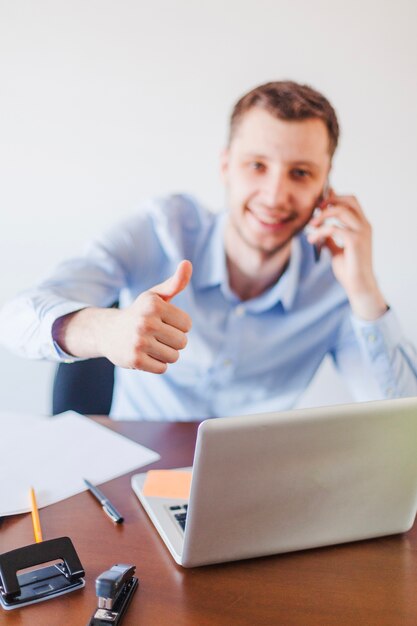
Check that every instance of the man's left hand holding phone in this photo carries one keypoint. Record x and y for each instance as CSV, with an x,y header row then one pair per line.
x,y
341,226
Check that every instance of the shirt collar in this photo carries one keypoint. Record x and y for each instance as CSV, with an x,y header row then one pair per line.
x,y
212,271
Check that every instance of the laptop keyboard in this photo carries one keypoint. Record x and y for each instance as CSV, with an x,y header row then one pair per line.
x,y
179,512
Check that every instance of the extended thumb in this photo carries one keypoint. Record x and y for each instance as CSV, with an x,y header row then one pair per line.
x,y
175,283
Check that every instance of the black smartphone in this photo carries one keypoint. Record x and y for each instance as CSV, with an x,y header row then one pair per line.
x,y
323,196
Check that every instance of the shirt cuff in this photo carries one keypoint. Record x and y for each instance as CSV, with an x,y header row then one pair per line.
x,y
55,352
384,332
378,340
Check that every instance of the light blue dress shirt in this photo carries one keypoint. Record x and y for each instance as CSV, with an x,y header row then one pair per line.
x,y
242,357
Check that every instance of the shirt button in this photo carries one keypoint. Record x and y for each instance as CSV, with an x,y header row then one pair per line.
x,y
390,392
372,338
227,362
240,310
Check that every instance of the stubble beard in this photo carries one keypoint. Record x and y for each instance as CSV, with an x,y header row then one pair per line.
x,y
267,251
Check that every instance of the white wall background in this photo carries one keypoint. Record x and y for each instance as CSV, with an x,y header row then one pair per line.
x,y
103,103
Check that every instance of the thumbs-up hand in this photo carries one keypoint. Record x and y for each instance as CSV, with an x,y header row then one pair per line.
x,y
149,333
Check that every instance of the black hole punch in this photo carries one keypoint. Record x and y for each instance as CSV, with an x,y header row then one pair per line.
x,y
40,583
42,588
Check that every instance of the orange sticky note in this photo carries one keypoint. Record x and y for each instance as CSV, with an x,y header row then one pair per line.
x,y
167,484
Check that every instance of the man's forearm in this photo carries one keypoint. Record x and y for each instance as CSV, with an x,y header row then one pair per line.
x,y
78,334
369,305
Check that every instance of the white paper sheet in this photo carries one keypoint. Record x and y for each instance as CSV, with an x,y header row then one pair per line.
x,y
53,455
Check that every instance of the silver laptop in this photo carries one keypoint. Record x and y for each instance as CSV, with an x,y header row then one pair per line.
x,y
277,482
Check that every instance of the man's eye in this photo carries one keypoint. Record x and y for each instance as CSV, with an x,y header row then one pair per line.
x,y
300,173
257,165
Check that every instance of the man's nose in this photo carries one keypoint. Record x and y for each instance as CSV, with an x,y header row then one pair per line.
x,y
275,191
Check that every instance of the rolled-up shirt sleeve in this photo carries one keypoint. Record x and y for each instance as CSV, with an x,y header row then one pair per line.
x,y
94,279
26,322
26,327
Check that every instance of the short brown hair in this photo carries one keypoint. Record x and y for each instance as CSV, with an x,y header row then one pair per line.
x,y
288,100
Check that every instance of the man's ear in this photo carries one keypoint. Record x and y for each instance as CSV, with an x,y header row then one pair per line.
x,y
224,164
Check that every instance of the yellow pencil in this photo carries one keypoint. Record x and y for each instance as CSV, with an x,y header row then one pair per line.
x,y
35,517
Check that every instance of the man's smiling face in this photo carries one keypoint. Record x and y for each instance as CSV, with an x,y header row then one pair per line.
x,y
274,172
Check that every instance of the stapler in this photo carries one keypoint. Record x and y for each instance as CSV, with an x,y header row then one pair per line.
x,y
114,588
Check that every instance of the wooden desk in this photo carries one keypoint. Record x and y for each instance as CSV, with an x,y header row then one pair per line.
x,y
369,583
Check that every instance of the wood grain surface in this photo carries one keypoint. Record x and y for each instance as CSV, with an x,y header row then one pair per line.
x,y
365,583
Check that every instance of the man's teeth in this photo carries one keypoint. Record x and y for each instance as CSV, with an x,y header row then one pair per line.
x,y
267,219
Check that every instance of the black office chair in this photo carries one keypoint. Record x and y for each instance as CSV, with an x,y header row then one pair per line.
x,y
84,386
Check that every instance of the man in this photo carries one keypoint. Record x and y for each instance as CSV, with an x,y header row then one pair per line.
x,y
236,311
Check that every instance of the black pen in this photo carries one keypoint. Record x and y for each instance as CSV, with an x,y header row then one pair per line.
x,y
108,508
